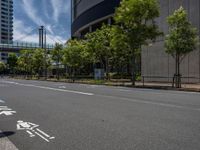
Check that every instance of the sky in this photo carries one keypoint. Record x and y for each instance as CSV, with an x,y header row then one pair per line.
x,y
53,14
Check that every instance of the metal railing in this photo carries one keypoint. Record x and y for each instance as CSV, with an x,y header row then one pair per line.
x,y
24,45
168,79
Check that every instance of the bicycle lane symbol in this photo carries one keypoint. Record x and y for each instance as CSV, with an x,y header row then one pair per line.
x,y
33,130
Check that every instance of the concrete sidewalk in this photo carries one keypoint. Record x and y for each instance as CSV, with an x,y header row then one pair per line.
x,y
185,87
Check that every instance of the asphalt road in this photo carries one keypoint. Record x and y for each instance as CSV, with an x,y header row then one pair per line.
x,y
62,116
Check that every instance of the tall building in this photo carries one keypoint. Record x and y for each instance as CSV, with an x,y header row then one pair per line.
x,y
88,15
6,21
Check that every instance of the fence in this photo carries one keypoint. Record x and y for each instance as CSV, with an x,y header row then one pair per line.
x,y
168,79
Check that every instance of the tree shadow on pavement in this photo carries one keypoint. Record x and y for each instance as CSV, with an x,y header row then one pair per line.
x,y
6,134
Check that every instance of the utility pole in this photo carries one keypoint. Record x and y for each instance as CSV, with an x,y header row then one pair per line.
x,y
42,44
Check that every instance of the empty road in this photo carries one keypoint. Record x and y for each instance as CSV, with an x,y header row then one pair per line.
x,y
39,115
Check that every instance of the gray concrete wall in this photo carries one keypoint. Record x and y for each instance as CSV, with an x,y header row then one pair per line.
x,y
155,62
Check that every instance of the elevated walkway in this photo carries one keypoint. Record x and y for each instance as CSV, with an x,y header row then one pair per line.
x,y
17,46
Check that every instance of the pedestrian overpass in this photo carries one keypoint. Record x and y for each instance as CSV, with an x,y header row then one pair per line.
x,y
17,46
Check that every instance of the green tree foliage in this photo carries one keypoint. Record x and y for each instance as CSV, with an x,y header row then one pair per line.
x,y
75,56
121,47
56,56
136,19
182,39
40,61
2,67
12,62
25,61
98,44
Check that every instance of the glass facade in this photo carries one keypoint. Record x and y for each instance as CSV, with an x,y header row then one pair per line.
x,y
6,21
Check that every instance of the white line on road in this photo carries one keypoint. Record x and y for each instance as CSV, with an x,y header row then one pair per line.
x,y
1,101
49,88
124,90
43,133
42,137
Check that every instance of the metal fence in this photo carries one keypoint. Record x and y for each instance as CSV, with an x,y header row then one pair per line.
x,y
170,80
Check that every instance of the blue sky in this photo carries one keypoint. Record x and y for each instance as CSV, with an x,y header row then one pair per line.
x,y
53,14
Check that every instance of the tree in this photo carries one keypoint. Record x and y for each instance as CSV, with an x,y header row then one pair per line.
x,y
25,61
98,43
137,20
56,55
2,67
182,39
12,62
122,50
40,61
75,56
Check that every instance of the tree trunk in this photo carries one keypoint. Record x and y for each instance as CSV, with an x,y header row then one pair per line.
x,y
57,72
176,71
133,70
107,69
177,75
73,74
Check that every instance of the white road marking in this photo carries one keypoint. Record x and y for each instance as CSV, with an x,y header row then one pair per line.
x,y
4,110
1,101
62,87
32,130
8,113
49,88
123,90
41,136
43,133
30,133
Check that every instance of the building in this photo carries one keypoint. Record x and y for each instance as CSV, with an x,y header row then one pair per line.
x,y
6,25
156,64
88,15
6,21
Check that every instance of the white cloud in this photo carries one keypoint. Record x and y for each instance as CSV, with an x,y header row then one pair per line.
x,y
32,13
45,9
60,7
43,17
23,33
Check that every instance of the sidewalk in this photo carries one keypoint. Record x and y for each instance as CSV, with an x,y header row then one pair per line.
x,y
185,87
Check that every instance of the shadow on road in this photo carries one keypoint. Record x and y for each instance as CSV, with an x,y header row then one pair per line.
x,y
6,134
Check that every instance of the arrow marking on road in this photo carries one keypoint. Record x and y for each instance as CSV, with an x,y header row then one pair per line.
x,y
62,87
8,113
4,110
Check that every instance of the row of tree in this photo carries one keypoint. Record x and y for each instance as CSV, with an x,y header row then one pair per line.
x,y
135,26
118,46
